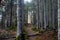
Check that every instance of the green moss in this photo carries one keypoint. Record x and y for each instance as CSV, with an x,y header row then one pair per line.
x,y
17,38
35,29
12,28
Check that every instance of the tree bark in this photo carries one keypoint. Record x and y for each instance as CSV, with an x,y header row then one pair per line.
x,y
19,19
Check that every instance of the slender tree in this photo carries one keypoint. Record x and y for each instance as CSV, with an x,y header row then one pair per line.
x,y
3,14
19,19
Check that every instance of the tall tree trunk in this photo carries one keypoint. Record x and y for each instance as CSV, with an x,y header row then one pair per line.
x,y
38,14
11,5
45,24
3,16
19,19
9,13
41,14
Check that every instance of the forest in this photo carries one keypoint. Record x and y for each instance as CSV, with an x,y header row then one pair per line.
x,y
29,19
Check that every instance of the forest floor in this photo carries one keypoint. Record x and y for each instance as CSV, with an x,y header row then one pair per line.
x,y
7,34
48,35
